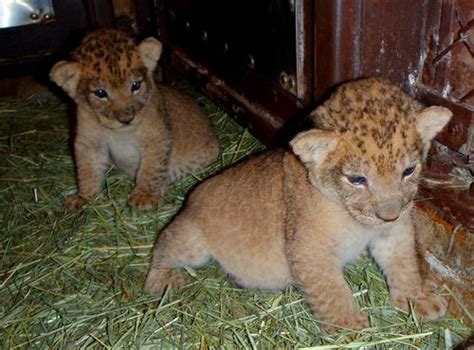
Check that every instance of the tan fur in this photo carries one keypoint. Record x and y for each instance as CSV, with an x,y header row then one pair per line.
x,y
154,134
281,218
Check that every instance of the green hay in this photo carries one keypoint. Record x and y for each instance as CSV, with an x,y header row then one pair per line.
x,y
73,279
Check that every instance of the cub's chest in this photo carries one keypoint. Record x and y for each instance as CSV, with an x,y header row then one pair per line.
x,y
124,150
353,240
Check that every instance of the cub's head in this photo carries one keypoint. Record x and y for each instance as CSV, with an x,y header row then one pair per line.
x,y
367,150
110,76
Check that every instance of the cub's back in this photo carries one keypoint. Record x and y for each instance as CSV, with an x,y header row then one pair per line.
x,y
242,203
194,142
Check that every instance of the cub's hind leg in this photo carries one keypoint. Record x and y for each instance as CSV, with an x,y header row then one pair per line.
x,y
180,244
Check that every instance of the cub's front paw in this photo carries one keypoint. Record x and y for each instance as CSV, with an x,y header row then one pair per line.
x,y
157,281
430,306
426,302
143,201
75,201
355,320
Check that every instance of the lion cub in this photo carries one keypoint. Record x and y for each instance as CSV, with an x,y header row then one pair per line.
x,y
283,217
152,133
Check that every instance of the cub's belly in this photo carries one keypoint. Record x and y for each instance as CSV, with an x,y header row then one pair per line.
x,y
125,153
254,266
259,274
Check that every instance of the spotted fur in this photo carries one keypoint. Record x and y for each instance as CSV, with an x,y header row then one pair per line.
x,y
152,133
377,114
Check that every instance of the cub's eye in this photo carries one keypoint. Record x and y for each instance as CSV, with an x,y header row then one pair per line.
x,y
101,93
357,180
408,171
136,85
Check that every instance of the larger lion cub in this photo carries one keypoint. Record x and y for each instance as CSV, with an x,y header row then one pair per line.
x,y
282,218
152,133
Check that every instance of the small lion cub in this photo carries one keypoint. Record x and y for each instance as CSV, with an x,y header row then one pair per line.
x,y
284,217
152,133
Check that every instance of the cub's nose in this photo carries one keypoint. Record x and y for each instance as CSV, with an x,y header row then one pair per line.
x,y
389,211
124,116
126,119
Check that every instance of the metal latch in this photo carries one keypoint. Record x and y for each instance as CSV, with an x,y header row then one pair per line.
x,y
14,13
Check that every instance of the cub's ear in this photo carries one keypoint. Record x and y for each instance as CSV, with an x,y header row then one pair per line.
x,y
66,74
314,145
150,50
430,122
